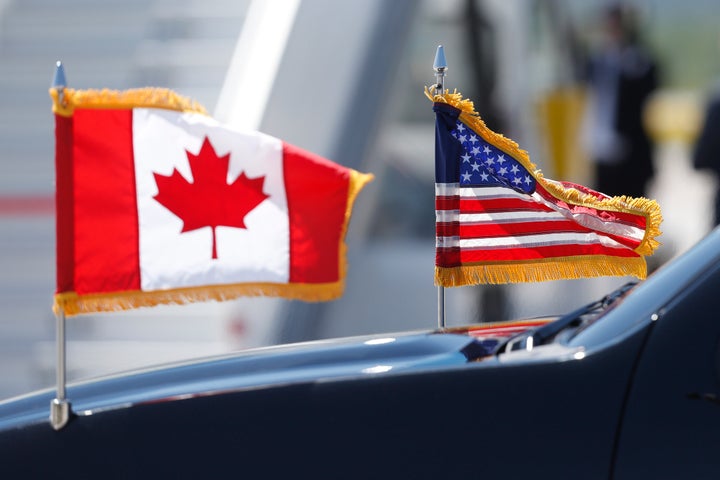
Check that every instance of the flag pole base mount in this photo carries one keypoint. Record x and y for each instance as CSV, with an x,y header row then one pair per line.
x,y
59,413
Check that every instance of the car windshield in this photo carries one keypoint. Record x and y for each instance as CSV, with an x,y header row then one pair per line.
x,y
648,297
565,327
624,310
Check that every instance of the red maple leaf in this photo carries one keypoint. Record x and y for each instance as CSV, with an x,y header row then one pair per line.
x,y
208,200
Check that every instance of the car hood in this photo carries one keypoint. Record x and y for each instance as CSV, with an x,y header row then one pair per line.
x,y
272,366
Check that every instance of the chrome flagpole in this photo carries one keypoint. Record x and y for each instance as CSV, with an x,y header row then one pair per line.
x,y
440,67
60,406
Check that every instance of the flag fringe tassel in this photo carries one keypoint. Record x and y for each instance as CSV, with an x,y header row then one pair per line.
x,y
650,209
73,304
541,271
149,97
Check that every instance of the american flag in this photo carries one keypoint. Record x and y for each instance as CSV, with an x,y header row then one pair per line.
x,y
498,220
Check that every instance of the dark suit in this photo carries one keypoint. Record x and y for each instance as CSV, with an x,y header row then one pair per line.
x,y
626,78
707,148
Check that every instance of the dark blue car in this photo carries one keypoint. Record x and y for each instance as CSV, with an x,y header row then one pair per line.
x,y
627,387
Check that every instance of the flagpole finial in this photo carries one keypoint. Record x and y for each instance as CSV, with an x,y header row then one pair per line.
x,y
440,67
440,63
59,77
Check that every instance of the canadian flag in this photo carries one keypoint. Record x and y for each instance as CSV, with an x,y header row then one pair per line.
x,y
159,203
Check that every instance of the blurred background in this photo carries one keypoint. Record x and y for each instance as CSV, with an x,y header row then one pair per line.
x,y
345,80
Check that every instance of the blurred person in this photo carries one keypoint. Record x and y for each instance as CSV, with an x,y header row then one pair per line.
x,y
621,76
706,155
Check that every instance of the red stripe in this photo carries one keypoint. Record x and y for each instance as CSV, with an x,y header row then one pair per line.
x,y
493,329
64,219
626,241
444,203
637,221
467,256
447,202
492,205
317,197
447,257
522,228
499,332
496,205
447,229
105,214
511,229
488,205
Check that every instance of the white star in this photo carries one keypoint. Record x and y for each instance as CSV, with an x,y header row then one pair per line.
x,y
475,166
475,151
490,161
484,176
503,171
466,177
460,127
516,180
466,158
462,138
473,138
514,169
491,170
486,149
527,179
501,159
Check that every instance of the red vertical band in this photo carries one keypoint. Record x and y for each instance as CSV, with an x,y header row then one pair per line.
x,y
105,215
317,197
64,249
447,257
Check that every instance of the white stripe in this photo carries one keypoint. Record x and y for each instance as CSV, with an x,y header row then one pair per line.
x,y
483,193
452,189
508,217
445,216
446,189
594,223
546,239
447,242
491,192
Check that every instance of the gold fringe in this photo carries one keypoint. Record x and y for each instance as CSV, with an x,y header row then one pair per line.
x,y
73,304
649,209
65,102
560,268
356,183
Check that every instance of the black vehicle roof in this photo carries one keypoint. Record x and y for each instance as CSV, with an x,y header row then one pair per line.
x,y
311,361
